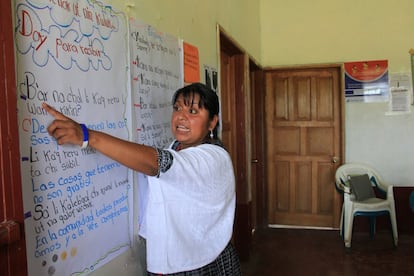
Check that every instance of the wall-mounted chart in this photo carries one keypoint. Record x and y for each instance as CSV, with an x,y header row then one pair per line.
x,y
73,56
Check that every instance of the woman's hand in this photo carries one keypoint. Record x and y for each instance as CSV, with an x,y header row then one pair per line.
x,y
64,129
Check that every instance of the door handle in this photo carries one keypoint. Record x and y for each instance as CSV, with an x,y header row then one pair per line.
x,y
255,161
335,160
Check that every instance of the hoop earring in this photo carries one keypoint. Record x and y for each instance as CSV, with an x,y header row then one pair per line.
x,y
211,134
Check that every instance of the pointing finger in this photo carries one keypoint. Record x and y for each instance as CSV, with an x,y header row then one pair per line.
x,y
54,112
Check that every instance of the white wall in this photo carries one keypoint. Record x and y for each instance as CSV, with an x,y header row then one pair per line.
x,y
195,21
384,141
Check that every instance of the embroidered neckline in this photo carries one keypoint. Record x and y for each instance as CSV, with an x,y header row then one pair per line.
x,y
177,146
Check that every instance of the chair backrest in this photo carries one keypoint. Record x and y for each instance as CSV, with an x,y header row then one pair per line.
x,y
351,169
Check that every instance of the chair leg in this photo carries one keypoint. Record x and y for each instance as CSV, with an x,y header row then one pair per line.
x,y
341,224
393,221
348,224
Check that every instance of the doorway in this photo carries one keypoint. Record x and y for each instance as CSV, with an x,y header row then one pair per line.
x,y
241,96
233,111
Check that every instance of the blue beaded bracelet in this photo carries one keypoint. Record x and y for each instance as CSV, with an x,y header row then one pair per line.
x,y
85,136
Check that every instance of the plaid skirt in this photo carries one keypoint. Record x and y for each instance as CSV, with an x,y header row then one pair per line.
x,y
226,264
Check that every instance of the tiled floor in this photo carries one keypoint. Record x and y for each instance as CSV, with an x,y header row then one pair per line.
x,y
321,252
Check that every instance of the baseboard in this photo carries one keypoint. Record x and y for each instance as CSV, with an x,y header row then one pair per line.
x,y
300,227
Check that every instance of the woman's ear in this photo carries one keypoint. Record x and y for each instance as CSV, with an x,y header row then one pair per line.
x,y
213,122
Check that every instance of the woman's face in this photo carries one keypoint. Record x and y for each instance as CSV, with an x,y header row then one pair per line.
x,y
190,124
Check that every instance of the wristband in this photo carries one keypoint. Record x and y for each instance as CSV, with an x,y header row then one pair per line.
x,y
85,136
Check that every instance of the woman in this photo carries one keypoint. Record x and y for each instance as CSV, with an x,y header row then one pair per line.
x,y
189,217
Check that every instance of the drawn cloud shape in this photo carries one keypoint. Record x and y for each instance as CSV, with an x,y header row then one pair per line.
x,y
89,16
66,46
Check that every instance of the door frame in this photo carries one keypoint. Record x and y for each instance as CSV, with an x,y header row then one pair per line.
x,y
257,145
241,80
12,240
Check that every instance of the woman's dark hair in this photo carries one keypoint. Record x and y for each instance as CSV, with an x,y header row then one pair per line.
x,y
208,99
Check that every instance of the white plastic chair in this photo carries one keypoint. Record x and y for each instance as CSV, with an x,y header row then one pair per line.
x,y
371,207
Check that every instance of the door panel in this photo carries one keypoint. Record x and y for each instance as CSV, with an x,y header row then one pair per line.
x,y
303,136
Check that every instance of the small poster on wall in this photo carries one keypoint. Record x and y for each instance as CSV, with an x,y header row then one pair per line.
x,y
211,77
400,94
191,63
366,81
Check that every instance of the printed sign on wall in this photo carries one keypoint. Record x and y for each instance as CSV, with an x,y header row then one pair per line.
x,y
366,81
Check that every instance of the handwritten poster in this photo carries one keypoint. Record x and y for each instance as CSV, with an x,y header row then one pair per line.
x,y
156,73
72,55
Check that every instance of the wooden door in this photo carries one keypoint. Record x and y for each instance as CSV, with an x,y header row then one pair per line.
x,y
304,142
12,243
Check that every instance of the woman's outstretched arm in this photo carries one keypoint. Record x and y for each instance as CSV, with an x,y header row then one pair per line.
x,y
134,156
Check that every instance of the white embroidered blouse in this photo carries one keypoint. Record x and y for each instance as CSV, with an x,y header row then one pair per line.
x,y
190,211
